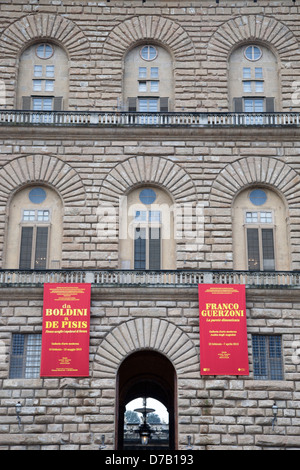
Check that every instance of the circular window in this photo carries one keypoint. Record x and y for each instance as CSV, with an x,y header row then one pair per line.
x,y
148,53
258,197
253,53
37,195
147,196
44,51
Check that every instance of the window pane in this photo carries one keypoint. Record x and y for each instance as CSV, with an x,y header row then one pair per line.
x,y
143,105
259,349
33,355
268,249
153,105
154,248
253,53
258,197
16,360
259,87
28,216
142,86
41,248
148,105
43,216
37,195
50,71
26,248
42,104
47,104
38,70
266,217
37,104
258,105
258,72
154,72
25,356
247,87
254,105
249,106
37,85
142,72
253,249
141,216
147,196
140,249
154,86
246,72
49,85
275,357
267,357
251,217
149,53
154,216
44,51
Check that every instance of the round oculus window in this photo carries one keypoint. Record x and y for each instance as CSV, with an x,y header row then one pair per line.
x,y
147,196
37,195
44,51
148,53
253,53
258,197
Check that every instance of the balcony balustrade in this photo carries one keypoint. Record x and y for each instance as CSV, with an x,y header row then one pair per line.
x,y
136,119
165,279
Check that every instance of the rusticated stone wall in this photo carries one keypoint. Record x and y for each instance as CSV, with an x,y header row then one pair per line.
x,y
218,412
200,37
90,166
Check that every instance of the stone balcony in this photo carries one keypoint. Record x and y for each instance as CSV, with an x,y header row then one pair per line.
x,y
143,279
137,119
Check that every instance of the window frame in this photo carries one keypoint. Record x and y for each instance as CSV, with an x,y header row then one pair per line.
x,y
44,44
146,224
261,227
253,46
148,46
20,366
35,227
268,361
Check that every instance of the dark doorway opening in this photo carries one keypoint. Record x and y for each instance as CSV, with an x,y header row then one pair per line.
x,y
146,374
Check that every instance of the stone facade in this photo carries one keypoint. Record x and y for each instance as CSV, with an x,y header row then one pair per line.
x,y
91,166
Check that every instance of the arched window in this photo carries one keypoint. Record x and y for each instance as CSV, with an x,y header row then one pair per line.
x,y
43,83
253,80
34,234
260,231
148,79
147,230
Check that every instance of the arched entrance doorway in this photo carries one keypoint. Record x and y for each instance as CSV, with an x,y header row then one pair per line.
x,y
146,374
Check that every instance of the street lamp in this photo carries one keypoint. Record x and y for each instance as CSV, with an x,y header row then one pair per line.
x,y
145,429
275,413
18,412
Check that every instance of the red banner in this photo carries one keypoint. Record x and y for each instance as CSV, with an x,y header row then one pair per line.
x,y
223,329
66,330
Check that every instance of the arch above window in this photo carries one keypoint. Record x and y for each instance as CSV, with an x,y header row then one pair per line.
x,y
149,28
243,29
37,27
42,169
251,171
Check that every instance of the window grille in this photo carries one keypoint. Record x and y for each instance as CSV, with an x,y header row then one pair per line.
x,y
25,356
267,357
